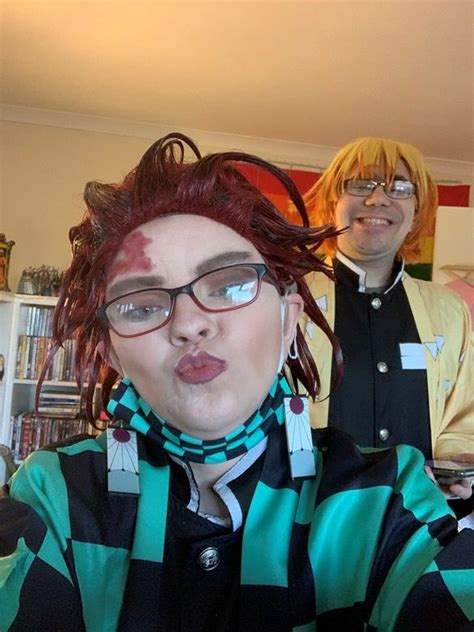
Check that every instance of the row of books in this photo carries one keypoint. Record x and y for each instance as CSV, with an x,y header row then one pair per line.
x,y
39,321
32,352
59,404
30,432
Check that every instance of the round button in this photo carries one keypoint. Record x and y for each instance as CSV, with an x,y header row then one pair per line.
x,y
384,434
382,367
376,303
209,559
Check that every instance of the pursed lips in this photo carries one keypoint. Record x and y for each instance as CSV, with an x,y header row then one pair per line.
x,y
199,368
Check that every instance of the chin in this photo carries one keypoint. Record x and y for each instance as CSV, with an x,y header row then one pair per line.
x,y
209,418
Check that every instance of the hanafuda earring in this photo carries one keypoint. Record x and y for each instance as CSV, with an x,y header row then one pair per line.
x,y
122,461
298,437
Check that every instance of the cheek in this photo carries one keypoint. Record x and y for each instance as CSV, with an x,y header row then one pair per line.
x,y
342,211
409,214
137,354
263,340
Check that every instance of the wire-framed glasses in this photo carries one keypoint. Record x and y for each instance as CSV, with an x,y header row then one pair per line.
x,y
221,290
397,189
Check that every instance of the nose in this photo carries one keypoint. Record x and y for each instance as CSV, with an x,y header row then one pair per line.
x,y
189,323
378,197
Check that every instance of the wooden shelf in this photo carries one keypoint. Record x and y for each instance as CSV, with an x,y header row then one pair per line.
x,y
45,383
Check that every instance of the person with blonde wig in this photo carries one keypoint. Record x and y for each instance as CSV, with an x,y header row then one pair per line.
x,y
406,342
368,155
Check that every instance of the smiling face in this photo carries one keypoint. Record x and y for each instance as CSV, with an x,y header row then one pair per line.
x,y
205,373
378,225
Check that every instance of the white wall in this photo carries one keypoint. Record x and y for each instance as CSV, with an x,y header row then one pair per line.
x,y
454,240
48,157
44,170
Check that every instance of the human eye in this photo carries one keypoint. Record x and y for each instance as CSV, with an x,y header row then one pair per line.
x,y
140,308
402,188
137,314
359,186
234,286
224,291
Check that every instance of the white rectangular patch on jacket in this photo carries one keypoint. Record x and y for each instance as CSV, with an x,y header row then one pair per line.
x,y
412,355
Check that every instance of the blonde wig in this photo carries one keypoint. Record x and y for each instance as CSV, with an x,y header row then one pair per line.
x,y
362,158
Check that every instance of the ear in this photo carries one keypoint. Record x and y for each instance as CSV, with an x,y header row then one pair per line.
x,y
293,309
111,357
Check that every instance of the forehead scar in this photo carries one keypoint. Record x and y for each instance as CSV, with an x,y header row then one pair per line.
x,y
131,257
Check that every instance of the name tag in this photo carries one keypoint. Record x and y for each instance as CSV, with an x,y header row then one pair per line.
x,y
412,355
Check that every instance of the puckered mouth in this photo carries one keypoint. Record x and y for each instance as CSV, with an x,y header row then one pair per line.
x,y
198,361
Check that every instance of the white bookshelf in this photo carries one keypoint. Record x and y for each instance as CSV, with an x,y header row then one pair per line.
x,y
18,395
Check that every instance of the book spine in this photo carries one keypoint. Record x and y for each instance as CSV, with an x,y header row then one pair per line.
x,y
25,433
29,319
18,357
25,360
34,320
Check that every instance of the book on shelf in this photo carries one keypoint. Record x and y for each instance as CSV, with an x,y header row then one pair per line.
x,y
30,431
58,403
59,395
32,352
39,321
59,414
34,344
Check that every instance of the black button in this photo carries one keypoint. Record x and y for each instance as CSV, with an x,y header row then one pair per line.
x,y
209,559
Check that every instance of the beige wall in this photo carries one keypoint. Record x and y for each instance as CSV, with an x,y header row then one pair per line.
x,y
44,168
43,172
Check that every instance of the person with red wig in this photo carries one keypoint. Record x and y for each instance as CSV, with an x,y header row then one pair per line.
x,y
408,370
209,503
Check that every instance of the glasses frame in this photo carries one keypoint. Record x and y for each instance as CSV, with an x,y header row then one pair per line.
x,y
260,268
376,184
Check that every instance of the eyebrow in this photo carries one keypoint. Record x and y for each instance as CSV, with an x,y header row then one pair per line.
x,y
223,259
149,281
133,283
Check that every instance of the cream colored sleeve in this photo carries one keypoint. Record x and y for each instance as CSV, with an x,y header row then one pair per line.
x,y
457,423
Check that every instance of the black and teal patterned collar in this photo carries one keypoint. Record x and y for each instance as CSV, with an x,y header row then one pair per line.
x,y
127,405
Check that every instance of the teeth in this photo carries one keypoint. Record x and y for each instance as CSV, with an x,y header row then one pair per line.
x,y
374,220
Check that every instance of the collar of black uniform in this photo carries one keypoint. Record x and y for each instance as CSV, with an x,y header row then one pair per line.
x,y
350,274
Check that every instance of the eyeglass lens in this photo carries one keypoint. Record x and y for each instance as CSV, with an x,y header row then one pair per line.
x,y
398,189
219,290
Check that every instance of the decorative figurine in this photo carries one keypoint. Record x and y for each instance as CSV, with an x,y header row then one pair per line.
x,y
42,281
5,250
26,283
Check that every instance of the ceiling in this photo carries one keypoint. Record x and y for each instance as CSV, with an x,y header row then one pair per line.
x,y
317,72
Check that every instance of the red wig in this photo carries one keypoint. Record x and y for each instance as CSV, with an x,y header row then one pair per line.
x,y
163,183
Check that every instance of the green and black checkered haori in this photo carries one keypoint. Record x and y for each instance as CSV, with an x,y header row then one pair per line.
x,y
368,544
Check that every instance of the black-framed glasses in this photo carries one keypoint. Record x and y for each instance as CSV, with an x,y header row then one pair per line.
x,y
221,290
397,189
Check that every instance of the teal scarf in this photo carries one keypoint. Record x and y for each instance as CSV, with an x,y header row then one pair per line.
x,y
127,405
